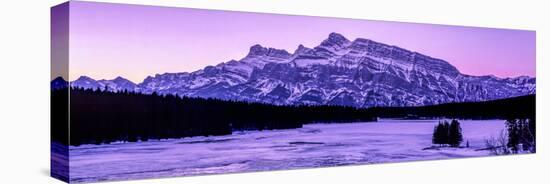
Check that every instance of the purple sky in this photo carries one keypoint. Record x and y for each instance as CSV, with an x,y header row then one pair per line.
x,y
109,40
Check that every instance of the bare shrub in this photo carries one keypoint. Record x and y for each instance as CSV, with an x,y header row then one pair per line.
x,y
498,145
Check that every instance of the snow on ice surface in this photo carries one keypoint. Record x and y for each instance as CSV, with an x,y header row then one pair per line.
x,y
314,145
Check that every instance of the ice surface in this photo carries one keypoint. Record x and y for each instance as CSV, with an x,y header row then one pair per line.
x,y
313,145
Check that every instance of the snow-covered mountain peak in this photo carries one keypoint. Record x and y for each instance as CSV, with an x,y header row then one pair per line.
x,y
359,73
85,82
116,84
84,78
334,43
335,38
258,50
301,50
121,80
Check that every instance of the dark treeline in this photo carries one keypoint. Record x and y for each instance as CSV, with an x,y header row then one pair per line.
x,y
98,117
101,117
60,115
510,108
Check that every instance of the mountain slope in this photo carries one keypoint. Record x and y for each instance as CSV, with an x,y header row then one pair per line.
x,y
359,73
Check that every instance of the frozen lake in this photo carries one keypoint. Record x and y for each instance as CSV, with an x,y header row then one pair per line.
x,y
314,145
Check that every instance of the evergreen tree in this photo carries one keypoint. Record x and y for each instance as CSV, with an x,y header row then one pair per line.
x,y
447,133
521,131
455,134
440,134
512,126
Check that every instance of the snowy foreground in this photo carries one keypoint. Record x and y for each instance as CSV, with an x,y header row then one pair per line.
x,y
315,145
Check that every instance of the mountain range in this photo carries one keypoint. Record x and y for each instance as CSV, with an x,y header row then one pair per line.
x,y
358,73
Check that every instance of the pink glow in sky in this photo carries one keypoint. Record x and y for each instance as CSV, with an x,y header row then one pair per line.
x,y
110,40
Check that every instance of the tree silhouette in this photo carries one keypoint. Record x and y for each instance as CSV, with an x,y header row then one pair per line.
x,y
455,133
440,134
99,116
521,132
447,133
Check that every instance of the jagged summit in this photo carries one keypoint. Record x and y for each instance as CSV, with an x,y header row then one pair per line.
x,y
258,50
335,40
359,73
337,37
301,50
